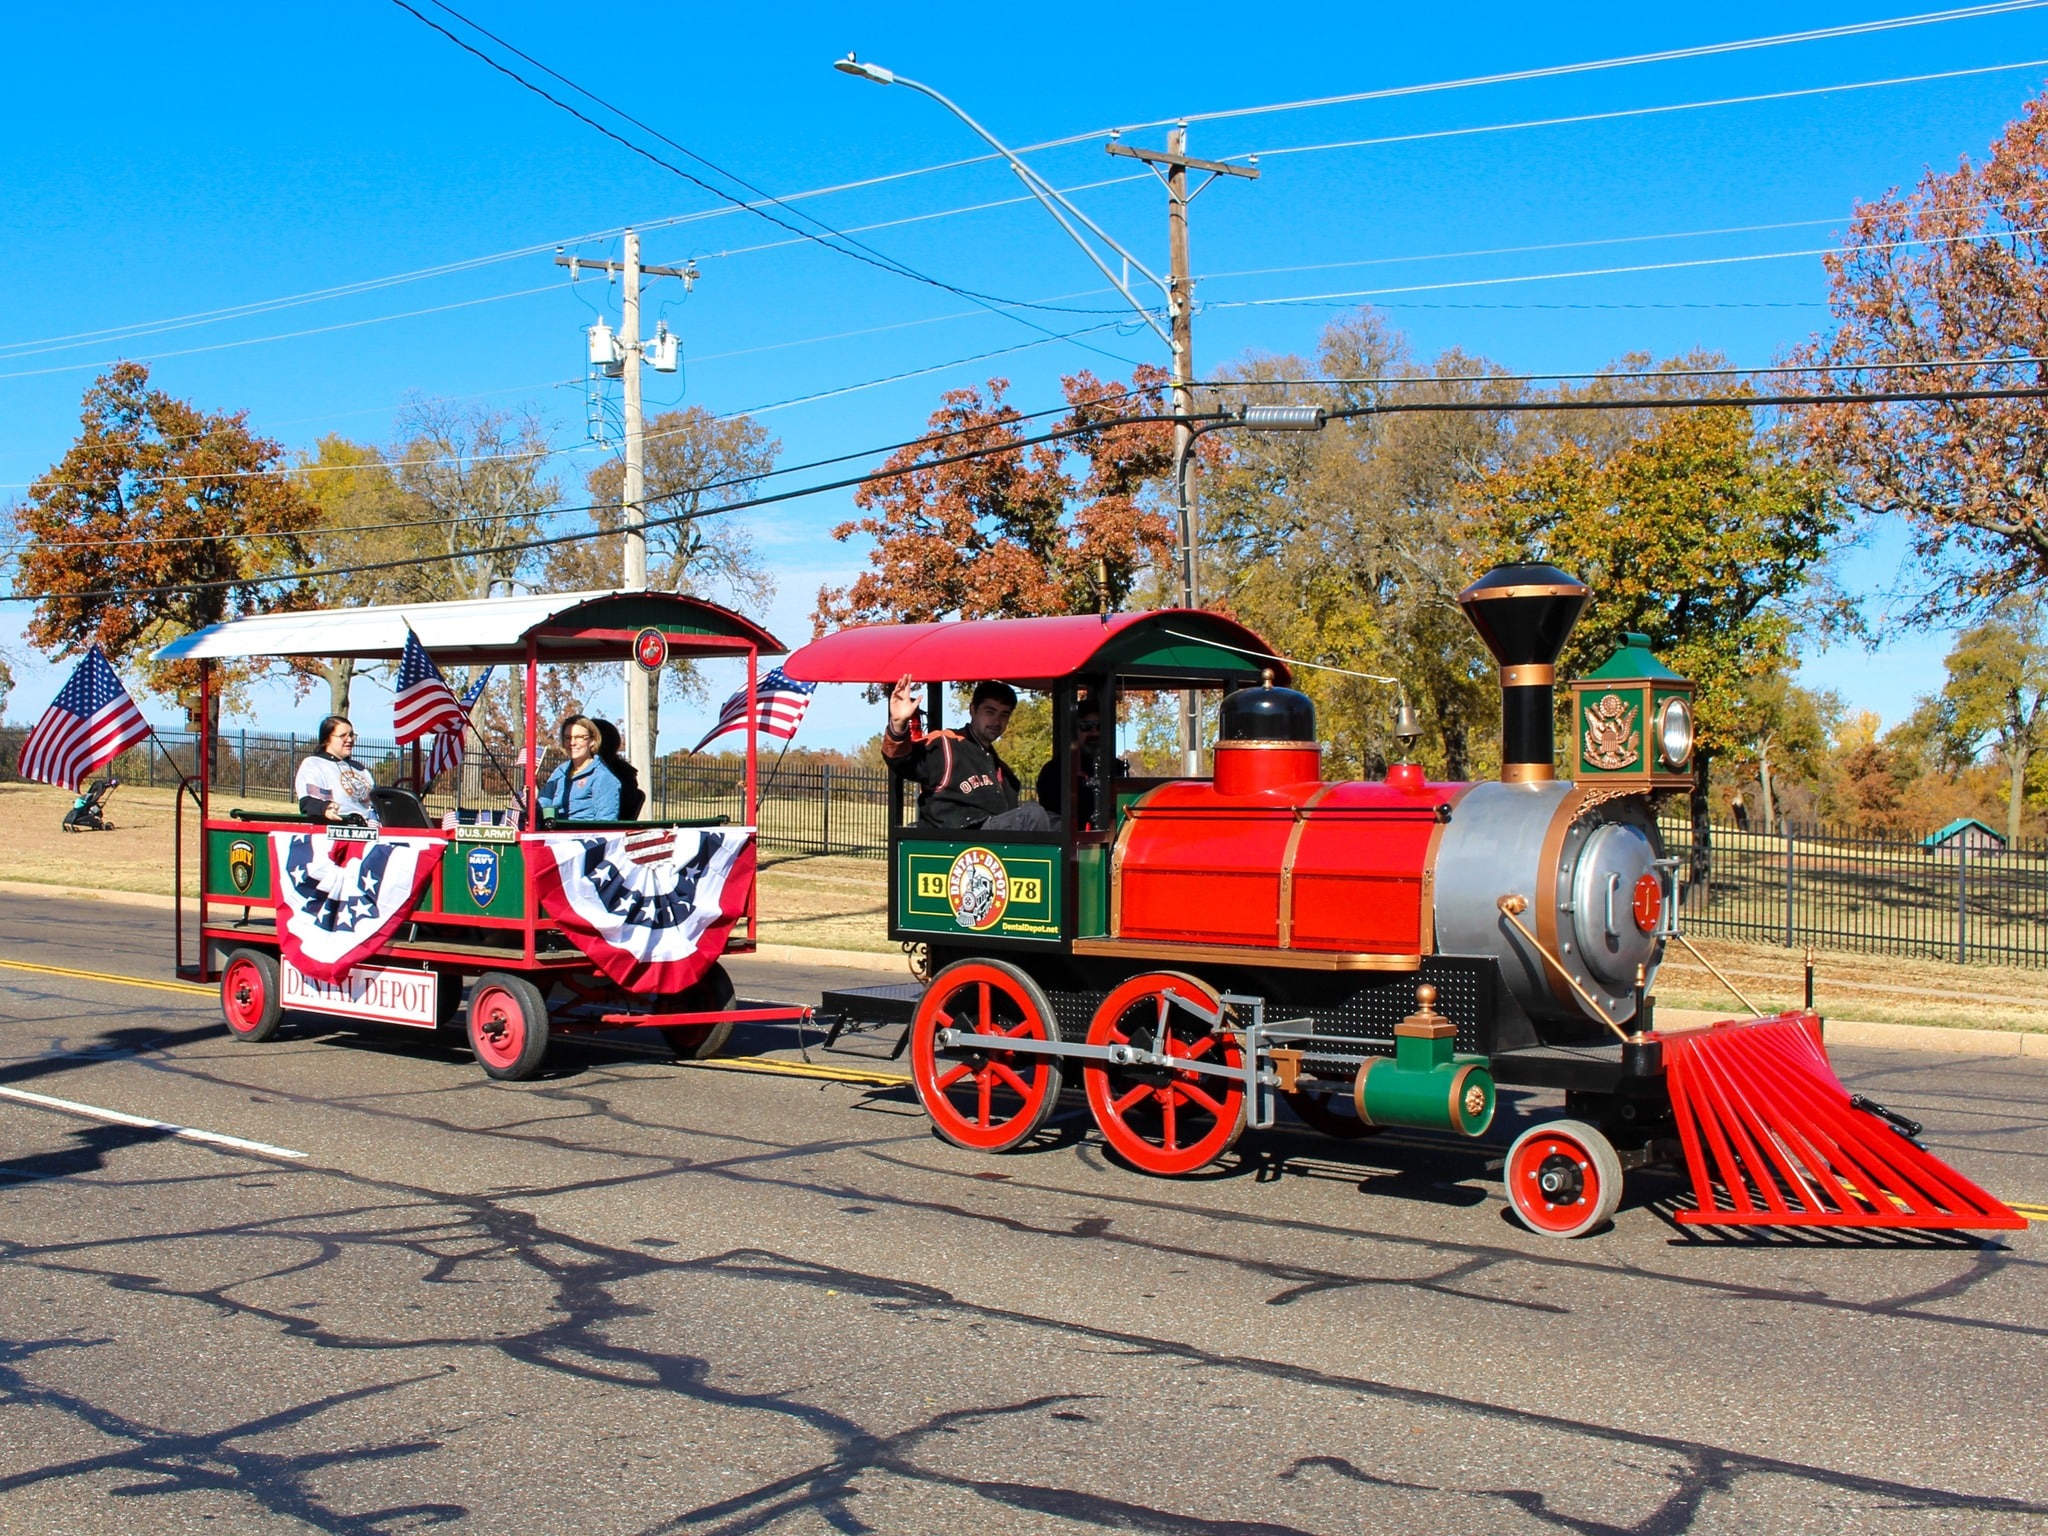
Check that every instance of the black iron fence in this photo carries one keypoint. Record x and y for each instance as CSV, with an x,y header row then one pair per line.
x,y
246,763
1970,900
803,809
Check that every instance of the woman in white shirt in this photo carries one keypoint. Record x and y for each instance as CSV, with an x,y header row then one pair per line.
x,y
332,785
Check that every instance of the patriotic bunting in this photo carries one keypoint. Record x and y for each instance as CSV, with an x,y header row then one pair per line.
x,y
650,909
340,897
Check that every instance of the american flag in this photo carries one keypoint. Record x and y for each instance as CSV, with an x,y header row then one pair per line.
x,y
92,723
425,702
779,705
446,752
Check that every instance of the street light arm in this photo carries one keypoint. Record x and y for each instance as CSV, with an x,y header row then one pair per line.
x,y
1048,196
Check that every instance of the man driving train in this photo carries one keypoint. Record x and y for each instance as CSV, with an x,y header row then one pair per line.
x,y
962,783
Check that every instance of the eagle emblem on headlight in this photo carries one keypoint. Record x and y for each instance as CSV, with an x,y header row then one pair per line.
x,y
1612,741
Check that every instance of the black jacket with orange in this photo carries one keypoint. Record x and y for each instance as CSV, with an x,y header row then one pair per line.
x,y
960,782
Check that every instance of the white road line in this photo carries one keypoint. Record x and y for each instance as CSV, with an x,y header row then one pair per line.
x,y
94,1112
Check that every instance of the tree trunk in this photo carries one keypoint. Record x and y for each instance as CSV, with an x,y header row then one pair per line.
x,y
1698,876
341,676
1455,768
2016,753
1763,773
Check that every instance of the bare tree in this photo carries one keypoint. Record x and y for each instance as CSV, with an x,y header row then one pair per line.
x,y
481,476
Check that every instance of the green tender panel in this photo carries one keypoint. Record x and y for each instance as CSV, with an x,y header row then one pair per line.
x,y
250,851
1092,904
1003,890
459,877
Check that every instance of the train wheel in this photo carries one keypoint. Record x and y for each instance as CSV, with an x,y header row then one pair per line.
x,y
990,1100
712,994
508,1026
251,995
1163,1120
1331,1114
1563,1178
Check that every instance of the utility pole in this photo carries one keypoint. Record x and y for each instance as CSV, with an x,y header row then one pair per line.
x,y
1180,298
627,354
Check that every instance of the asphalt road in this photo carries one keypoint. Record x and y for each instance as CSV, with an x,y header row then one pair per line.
x,y
639,1297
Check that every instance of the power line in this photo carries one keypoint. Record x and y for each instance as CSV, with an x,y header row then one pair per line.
x,y
1602,117
1665,403
1655,266
853,248
863,183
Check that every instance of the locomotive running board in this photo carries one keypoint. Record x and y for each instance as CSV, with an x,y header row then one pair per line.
x,y
1772,1138
1244,954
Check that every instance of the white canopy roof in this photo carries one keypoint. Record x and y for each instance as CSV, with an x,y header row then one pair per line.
x,y
475,632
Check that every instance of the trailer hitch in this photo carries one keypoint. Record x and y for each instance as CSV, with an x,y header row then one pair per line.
x,y
1907,1127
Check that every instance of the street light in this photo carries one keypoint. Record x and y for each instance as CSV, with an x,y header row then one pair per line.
x,y
1050,198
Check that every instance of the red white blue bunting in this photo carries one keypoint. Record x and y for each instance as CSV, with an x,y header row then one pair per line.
x,y
338,898
651,909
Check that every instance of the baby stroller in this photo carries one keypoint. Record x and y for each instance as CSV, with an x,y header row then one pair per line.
x,y
88,811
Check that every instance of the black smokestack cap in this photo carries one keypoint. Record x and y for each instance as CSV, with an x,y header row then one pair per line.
x,y
1525,613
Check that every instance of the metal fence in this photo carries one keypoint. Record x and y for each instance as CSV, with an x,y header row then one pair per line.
x,y
247,763
1889,896
803,809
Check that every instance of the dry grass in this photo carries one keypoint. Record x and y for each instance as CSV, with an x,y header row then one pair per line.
x,y
840,903
135,856
1879,988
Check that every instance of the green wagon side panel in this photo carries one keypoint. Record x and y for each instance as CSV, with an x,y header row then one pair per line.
x,y
238,866
495,870
959,888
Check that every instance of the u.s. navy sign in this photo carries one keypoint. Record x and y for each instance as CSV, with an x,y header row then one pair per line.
x,y
389,994
482,864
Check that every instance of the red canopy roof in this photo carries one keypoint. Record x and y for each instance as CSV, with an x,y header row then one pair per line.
x,y
1180,640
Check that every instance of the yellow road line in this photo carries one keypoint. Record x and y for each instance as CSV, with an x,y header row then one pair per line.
x,y
780,1068
126,981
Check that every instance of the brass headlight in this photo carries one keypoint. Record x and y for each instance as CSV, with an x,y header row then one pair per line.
x,y
1674,733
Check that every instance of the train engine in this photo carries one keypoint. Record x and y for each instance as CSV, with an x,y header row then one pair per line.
x,y
1369,954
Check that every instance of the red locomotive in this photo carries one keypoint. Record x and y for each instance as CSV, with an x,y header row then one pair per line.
x,y
1372,954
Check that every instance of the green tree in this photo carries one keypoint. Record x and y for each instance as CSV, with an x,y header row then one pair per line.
x,y
160,519
1997,695
1708,535
1781,733
1347,548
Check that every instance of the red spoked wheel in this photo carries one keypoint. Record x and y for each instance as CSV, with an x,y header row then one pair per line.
x,y
508,1025
1164,1120
1563,1178
251,995
989,1099
1329,1113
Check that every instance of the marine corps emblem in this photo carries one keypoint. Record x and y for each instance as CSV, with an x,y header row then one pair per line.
x,y
977,889
1612,741
242,863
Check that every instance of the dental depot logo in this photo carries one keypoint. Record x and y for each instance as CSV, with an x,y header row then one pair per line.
x,y
977,889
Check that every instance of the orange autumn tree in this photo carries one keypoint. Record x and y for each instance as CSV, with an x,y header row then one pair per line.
x,y
1958,268
160,519
971,523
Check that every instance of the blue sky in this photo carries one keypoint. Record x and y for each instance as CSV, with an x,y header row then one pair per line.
x,y
167,161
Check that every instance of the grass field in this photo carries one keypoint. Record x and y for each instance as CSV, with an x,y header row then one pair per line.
x,y
839,902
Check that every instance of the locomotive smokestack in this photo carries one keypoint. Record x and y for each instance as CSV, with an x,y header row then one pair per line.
x,y
1525,613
